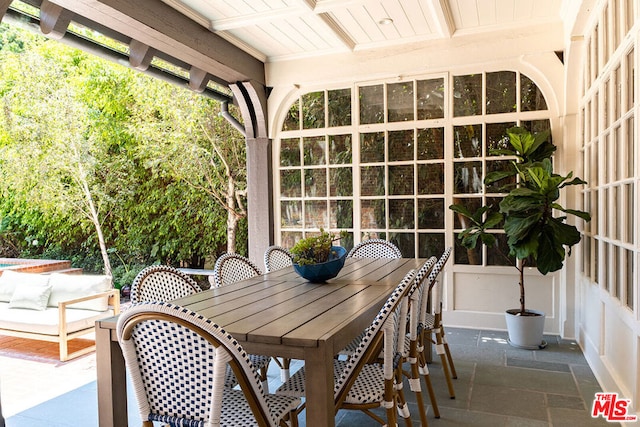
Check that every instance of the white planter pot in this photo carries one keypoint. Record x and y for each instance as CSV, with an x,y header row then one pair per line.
x,y
525,331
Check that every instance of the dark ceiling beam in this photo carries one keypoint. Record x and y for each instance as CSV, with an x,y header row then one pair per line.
x,y
140,55
198,79
4,5
54,20
125,40
159,26
90,46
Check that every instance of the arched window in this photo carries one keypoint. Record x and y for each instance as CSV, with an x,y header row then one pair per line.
x,y
385,160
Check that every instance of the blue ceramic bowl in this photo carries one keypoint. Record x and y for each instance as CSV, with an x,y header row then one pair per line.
x,y
318,273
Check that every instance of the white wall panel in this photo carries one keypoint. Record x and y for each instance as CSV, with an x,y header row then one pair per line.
x,y
609,327
591,316
480,300
619,348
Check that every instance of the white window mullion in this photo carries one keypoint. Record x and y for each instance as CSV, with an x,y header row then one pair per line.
x,y
355,162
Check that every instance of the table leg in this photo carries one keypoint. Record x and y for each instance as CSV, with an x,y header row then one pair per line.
x,y
112,382
320,407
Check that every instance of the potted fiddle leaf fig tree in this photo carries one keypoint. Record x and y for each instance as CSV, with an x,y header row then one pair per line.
x,y
532,219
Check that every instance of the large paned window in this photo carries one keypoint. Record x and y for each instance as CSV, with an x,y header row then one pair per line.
x,y
484,107
385,160
609,148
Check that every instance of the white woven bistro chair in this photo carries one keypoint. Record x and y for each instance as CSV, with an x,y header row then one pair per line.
x,y
372,248
231,268
177,360
360,385
277,257
375,248
431,327
162,283
412,345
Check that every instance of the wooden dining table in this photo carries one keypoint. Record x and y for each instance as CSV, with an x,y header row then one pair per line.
x,y
275,314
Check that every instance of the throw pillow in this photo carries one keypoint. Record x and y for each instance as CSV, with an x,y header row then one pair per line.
x,y
71,286
10,280
31,296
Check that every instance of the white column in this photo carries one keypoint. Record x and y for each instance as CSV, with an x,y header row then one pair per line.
x,y
259,200
251,99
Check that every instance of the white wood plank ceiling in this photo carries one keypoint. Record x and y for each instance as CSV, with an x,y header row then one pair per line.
x,y
275,30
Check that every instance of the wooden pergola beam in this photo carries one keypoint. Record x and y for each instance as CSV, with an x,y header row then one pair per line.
x,y
4,5
140,55
198,79
151,28
54,20
154,24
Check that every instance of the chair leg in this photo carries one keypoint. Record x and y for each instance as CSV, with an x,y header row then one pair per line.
x,y
291,419
278,362
375,417
390,402
432,393
454,374
426,338
285,372
264,378
422,369
440,350
401,401
416,387
284,366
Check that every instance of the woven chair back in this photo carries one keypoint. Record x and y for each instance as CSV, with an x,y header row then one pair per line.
x,y
231,268
372,338
277,257
162,283
375,248
177,360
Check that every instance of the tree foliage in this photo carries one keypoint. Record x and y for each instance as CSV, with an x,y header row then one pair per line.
x,y
185,138
88,145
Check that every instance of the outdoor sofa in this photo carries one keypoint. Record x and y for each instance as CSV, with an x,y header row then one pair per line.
x,y
55,307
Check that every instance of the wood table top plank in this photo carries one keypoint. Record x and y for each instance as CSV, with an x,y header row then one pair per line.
x,y
381,271
306,308
286,273
232,310
357,312
252,311
363,269
226,292
229,297
352,265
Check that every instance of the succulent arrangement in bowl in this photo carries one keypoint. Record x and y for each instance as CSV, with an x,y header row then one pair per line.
x,y
315,249
316,258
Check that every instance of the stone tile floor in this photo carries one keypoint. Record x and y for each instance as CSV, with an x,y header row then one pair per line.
x,y
497,385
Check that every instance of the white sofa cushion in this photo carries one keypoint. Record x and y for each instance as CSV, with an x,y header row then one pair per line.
x,y
65,287
10,280
33,296
46,321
